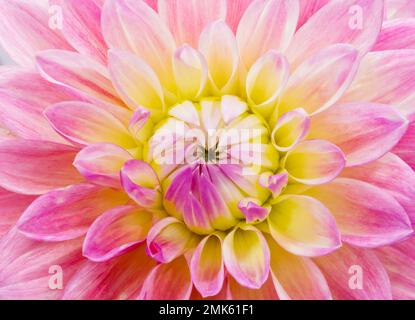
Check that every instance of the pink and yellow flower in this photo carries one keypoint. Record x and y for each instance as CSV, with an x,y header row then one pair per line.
x,y
105,170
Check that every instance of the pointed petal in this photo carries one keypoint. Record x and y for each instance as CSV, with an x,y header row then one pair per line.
x,y
36,167
266,25
26,266
66,214
85,124
321,80
141,183
239,292
399,262
235,11
117,279
303,226
12,206
24,31
295,277
363,131
253,211
343,268
218,44
274,182
169,239
392,175
116,232
206,266
266,80
396,34
101,163
190,71
135,81
78,72
187,19
22,113
314,162
131,25
82,27
386,77
168,282
246,256
308,8
290,129
355,22
366,215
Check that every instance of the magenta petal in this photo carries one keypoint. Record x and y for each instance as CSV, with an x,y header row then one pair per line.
x,y
339,268
170,281
252,210
117,279
141,183
399,262
366,215
36,167
115,232
101,163
65,214
25,266
12,206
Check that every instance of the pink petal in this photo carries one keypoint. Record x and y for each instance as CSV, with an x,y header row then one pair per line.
x,y
266,81
26,266
168,282
366,215
67,213
190,71
386,77
22,113
36,167
252,210
405,149
396,34
169,239
266,25
399,262
218,45
395,9
80,73
141,183
314,162
207,267
82,27
117,279
339,268
364,131
274,182
133,26
24,31
303,226
136,82
235,11
321,80
308,8
355,22
246,256
101,163
392,175
239,292
12,206
116,232
290,129
85,124
187,19
295,277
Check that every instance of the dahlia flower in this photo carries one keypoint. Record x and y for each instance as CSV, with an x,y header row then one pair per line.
x,y
221,149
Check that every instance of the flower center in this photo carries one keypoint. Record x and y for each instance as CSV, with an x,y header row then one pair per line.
x,y
209,156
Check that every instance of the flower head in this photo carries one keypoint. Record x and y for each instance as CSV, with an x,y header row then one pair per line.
x,y
179,149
